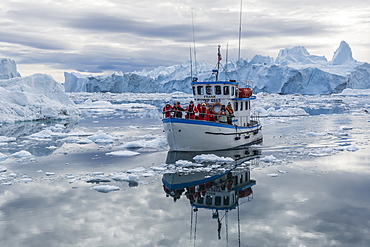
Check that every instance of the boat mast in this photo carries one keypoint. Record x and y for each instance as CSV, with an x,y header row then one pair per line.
x,y
195,53
219,58
191,66
240,26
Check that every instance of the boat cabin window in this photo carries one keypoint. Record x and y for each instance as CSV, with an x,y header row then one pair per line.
x,y
200,90
236,106
208,200
208,90
200,200
218,90
241,106
218,200
226,90
226,200
232,91
247,105
194,90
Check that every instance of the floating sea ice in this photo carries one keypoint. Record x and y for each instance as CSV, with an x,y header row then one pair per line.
x,y
273,175
148,174
212,158
49,173
352,148
270,159
124,153
51,147
322,152
158,168
102,137
2,169
22,154
105,188
283,172
137,170
103,141
125,177
186,163
26,180
158,142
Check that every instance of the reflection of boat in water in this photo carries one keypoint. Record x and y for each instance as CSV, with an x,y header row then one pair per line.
x,y
219,189
205,126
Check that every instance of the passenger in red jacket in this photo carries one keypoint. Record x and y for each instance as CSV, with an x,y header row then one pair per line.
x,y
167,110
177,109
204,113
191,109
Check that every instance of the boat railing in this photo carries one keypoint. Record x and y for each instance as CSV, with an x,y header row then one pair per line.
x,y
212,117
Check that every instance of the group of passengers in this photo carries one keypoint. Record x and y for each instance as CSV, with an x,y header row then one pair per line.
x,y
200,112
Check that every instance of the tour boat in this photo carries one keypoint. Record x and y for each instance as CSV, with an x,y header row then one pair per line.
x,y
196,134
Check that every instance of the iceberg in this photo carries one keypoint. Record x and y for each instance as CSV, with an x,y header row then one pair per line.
x,y
295,70
35,97
8,69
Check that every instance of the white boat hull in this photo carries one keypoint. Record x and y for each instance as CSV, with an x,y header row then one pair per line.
x,y
196,135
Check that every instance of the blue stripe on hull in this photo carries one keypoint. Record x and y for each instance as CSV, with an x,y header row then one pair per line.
x,y
206,123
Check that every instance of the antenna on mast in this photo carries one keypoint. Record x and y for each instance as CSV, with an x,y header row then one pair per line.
x,y
195,53
240,26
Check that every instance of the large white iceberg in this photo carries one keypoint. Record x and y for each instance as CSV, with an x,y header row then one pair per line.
x,y
295,70
35,97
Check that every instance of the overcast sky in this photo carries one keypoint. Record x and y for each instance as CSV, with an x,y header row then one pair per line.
x,y
102,36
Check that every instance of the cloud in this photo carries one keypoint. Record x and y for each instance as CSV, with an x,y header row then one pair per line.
x,y
99,36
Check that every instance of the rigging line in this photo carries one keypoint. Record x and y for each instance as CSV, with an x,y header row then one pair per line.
x,y
227,58
195,53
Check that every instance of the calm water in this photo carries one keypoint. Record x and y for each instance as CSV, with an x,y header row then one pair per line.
x,y
316,193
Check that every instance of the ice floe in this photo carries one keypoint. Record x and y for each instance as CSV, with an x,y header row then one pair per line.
x,y
105,188
22,154
212,158
270,159
122,153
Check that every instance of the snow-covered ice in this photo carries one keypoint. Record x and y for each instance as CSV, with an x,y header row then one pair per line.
x,y
22,154
212,157
123,153
33,97
105,188
295,70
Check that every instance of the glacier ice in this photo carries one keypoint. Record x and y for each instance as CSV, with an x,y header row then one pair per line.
x,y
295,70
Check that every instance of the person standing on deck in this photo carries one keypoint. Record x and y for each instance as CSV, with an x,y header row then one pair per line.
x,y
177,108
167,109
223,114
230,110
212,116
203,113
191,109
